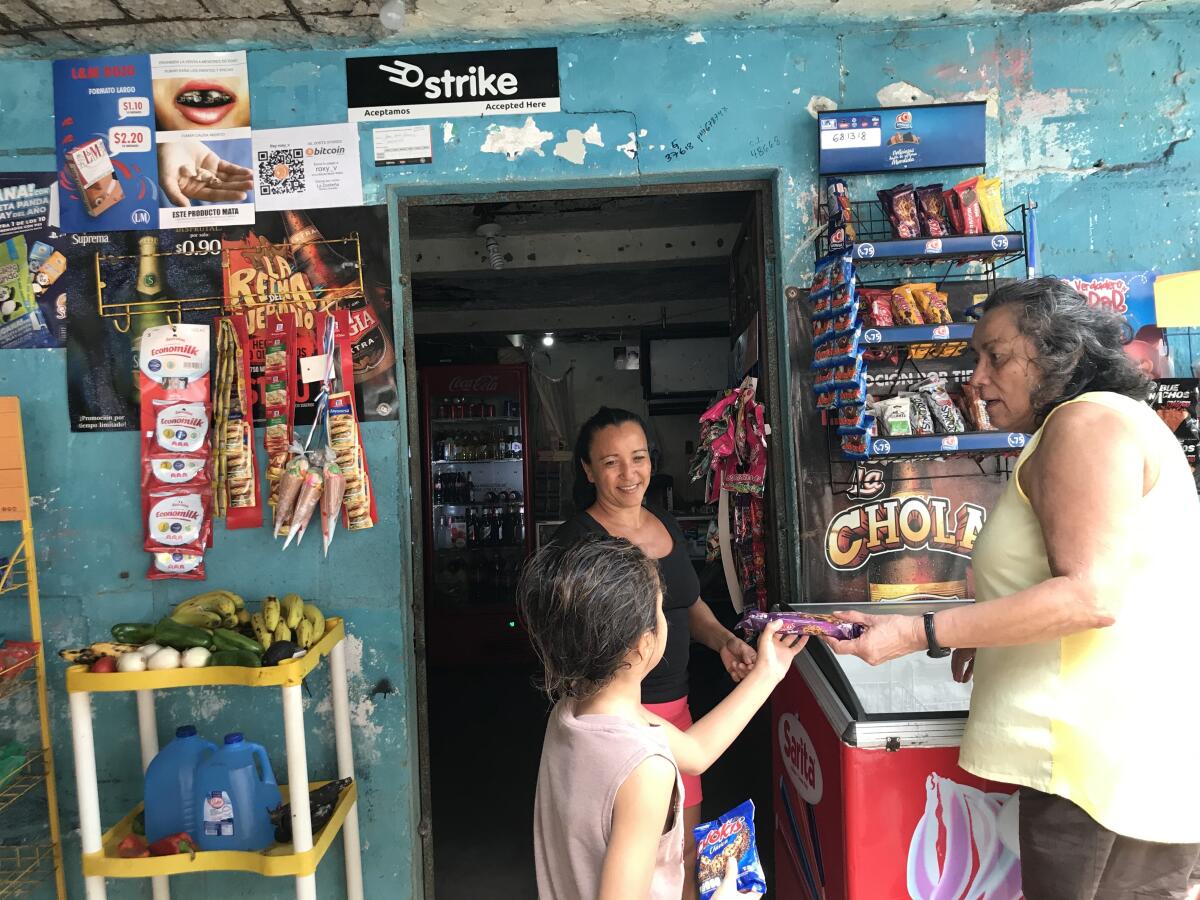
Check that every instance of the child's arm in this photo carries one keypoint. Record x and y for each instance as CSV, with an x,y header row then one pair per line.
x,y
701,745
640,812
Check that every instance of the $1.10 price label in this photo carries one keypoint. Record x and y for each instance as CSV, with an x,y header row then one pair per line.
x,y
133,107
129,139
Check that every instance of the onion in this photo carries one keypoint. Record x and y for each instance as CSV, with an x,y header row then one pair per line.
x,y
133,661
195,658
166,658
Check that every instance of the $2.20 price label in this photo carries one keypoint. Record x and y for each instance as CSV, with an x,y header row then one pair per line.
x,y
129,139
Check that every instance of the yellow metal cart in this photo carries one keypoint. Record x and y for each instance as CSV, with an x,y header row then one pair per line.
x,y
24,862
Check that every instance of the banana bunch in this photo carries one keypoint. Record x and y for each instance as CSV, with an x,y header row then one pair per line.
x,y
289,619
212,609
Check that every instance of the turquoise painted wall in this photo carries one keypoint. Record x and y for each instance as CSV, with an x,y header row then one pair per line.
x,y
1092,117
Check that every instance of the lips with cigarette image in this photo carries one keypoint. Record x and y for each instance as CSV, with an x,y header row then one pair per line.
x,y
204,103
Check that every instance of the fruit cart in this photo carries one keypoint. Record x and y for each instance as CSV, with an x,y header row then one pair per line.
x,y
298,859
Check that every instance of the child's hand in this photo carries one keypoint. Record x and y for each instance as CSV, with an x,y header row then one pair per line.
x,y
776,651
728,889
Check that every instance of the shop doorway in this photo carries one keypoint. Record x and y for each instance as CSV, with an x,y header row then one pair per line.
x,y
524,312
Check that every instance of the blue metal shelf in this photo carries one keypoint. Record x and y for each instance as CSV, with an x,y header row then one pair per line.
x,y
976,246
972,442
917,334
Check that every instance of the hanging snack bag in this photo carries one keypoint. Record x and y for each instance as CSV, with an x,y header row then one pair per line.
x,y
850,394
975,409
932,304
344,439
837,203
822,330
992,204
277,389
180,427
176,519
729,837
826,399
855,446
290,483
854,417
331,500
242,491
176,564
895,415
822,281
840,351
900,204
946,417
307,502
164,471
931,210
904,307
968,206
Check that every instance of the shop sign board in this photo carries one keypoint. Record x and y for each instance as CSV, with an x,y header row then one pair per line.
x,y
902,138
435,85
149,142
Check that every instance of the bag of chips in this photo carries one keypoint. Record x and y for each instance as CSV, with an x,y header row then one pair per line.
x,y
729,837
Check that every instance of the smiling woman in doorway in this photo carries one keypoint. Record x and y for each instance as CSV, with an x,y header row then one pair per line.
x,y
612,473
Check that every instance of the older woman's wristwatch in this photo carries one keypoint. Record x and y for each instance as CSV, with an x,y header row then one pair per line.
x,y
936,650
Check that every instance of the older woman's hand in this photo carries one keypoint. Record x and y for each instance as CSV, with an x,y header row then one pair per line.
x,y
886,637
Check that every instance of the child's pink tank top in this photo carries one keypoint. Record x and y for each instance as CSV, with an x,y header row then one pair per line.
x,y
585,760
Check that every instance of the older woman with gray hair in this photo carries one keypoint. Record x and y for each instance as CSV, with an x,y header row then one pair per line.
x,y
1084,635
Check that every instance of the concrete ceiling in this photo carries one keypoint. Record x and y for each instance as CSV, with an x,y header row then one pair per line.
x,y
50,27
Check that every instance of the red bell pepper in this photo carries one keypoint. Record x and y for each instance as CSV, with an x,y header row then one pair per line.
x,y
175,843
133,847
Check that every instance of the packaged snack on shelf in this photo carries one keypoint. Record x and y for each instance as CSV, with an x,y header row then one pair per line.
x,y
865,423
176,564
849,375
931,210
992,204
900,204
851,415
822,330
904,307
946,417
855,445
840,351
162,470
729,837
841,224
876,306
919,414
849,394
953,211
841,299
830,269
278,389
176,519
895,415
975,409
968,206
825,399
932,303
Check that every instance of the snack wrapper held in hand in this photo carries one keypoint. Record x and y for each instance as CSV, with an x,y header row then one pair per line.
x,y
730,836
755,621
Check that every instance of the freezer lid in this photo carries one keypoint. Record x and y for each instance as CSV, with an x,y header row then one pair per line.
x,y
899,704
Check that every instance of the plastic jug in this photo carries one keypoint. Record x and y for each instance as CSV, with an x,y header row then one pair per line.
x,y
235,792
169,795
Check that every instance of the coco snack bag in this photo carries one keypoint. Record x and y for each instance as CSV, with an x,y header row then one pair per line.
x,y
731,835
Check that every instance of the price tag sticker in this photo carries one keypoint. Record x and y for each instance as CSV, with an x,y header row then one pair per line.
x,y
851,138
133,107
129,139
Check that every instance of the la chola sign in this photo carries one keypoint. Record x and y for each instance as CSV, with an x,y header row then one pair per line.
x,y
901,523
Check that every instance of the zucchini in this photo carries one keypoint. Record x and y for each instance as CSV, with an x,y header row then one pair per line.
x,y
235,658
224,639
170,633
133,632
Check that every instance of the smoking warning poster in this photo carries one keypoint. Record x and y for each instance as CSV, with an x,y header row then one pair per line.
x,y
298,261
32,297
147,142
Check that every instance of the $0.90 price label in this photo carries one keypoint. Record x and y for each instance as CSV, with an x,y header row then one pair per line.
x,y
850,138
128,139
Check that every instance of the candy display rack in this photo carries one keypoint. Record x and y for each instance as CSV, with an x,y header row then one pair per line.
x,y
26,860
298,859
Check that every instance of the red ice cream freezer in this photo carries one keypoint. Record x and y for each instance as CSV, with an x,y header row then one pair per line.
x,y
871,803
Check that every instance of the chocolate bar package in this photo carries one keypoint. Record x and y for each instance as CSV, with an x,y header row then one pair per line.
x,y
729,837
900,204
801,623
931,211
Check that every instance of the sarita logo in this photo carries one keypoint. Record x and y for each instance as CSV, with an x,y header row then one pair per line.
x,y
476,83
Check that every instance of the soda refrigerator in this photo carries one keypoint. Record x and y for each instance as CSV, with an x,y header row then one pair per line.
x,y
870,803
478,531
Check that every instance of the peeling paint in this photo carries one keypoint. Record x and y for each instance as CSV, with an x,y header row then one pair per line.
x,y
901,93
574,148
448,133
630,147
513,141
819,104
1031,109
695,38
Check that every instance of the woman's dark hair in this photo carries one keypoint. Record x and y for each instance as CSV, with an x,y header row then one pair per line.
x,y
1078,347
584,493
585,607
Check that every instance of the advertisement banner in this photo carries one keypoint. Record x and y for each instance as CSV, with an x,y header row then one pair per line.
x,y
436,85
159,141
186,265
1130,295
307,168
902,138
32,294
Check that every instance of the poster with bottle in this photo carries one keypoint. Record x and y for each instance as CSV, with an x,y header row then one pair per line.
x,y
148,142
186,269
33,301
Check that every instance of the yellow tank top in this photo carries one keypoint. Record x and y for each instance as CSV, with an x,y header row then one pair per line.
x,y
1106,718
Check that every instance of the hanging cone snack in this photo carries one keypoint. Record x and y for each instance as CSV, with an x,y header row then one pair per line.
x,y
306,503
331,501
289,490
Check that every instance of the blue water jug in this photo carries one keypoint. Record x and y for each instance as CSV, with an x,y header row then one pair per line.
x,y
169,794
235,793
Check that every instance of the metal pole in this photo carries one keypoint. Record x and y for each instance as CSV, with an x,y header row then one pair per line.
x,y
297,765
148,734
85,785
345,760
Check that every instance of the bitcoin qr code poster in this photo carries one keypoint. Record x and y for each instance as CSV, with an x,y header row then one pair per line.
x,y
313,167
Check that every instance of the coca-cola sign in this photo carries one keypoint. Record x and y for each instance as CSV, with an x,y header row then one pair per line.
x,y
481,384
893,524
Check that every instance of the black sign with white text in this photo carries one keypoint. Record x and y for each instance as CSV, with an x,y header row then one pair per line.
x,y
433,85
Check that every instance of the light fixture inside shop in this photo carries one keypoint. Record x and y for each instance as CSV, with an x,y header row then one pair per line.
x,y
392,15
548,339
489,231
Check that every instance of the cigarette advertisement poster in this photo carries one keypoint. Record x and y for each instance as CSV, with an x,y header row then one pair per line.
x,y
150,142
32,294
302,259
